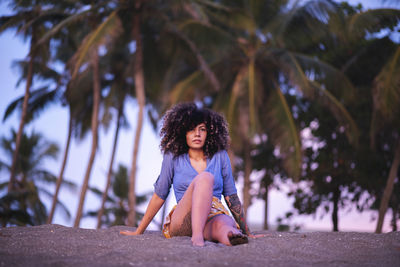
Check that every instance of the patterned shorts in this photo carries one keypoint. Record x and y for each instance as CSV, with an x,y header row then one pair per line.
x,y
216,208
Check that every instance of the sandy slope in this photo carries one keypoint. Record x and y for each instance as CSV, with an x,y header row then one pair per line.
x,y
55,245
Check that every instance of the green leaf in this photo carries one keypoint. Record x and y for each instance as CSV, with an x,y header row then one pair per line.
x,y
237,88
110,27
282,130
186,87
386,95
373,21
315,91
71,19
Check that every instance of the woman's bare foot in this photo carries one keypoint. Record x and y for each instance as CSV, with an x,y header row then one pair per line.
x,y
198,241
237,238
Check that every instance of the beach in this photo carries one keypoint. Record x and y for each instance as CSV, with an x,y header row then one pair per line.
x,y
56,245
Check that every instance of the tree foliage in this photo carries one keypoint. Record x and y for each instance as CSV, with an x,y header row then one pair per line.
x,y
275,69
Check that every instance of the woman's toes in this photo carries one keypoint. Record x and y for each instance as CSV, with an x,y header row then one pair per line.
x,y
237,238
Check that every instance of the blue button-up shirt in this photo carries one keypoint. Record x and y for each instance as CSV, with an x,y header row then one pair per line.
x,y
179,172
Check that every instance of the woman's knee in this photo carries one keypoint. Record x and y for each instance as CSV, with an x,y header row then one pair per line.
x,y
205,178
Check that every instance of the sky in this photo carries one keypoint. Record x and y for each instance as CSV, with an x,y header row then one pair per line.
x,y
53,125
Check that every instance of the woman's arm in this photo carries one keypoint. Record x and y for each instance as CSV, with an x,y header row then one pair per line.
x,y
236,209
154,206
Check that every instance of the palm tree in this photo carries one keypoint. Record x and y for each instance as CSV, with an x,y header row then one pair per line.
x,y
119,89
68,19
99,36
386,95
116,207
24,205
347,42
89,48
61,14
149,20
27,24
109,173
141,100
38,101
351,29
257,68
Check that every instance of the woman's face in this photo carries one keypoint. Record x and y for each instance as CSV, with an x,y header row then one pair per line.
x,y
196,138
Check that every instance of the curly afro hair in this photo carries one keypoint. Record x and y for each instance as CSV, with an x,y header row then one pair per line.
x,y
185,117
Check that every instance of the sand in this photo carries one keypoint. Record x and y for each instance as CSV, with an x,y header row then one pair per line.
x,y
56,245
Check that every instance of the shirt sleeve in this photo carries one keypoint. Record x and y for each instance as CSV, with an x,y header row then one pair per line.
x,y
229,183
164,180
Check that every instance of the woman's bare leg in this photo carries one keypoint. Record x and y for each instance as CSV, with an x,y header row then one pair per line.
x,y
222,228
190,215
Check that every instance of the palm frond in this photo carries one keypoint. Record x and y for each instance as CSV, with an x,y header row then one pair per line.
x,y
10,211
13,21
214,5
373,21
196,11
70,19
235,19
3,185
386,94
184,90
35,204
201,34
95,191
341,114
43,176
386,91
309,13
315,91
61,205
237,88
333,79
38,18
320,9
209,74
103,33
283,132
39,101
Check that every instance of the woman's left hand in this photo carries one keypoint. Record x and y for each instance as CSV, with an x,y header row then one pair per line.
x,y
129,232
256,236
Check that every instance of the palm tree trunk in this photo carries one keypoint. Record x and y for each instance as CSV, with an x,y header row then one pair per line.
x,y
95,124
247,182
394,218
61,175
245,139
110,167
231,155
29,79
335,216
388,189
140,96
266,207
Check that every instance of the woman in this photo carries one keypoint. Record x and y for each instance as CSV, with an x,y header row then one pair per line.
x,y
194,143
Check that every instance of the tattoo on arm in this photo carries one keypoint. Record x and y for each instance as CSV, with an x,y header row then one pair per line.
x,y
237,211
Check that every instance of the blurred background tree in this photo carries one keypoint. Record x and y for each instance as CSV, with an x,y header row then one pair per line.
x,y
310,89
24,205
116,207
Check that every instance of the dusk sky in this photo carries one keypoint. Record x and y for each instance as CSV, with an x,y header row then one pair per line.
x,y
53,125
